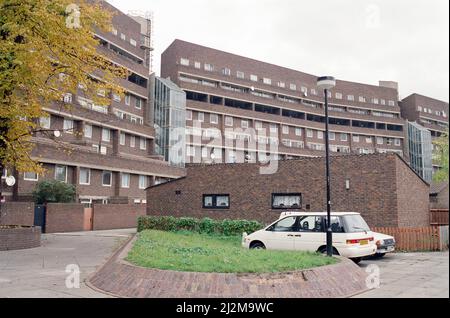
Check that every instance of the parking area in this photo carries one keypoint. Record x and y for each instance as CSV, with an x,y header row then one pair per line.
x,y
410,275
41,272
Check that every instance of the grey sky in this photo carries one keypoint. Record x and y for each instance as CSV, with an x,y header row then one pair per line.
x,y
355,40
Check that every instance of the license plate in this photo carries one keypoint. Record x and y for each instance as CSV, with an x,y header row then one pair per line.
x,y
390,248
364,242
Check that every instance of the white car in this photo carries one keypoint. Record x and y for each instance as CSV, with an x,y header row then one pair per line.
x,y
385,244
305,231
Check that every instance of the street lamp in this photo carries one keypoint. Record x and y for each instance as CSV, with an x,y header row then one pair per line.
x,y
325,83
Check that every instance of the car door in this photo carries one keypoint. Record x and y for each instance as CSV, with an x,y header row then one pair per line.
x,y
280,235
310,235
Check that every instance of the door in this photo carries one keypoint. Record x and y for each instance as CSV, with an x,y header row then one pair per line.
x,y
40,216
311,234
87,224
280,236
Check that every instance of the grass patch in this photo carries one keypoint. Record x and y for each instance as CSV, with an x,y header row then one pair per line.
x,y
193,252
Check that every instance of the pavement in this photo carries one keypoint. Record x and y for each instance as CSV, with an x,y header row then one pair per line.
x,y
409,275
41,272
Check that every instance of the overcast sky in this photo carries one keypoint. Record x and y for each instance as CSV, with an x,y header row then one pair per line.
x,y
355,40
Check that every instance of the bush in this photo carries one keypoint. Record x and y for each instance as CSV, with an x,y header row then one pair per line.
x,y
204,226
54,192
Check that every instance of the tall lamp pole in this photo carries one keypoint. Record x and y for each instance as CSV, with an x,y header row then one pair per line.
x,y
325,83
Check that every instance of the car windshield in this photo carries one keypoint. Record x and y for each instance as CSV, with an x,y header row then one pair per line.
x,y
355,223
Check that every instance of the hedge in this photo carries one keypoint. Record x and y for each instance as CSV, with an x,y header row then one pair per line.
x,y
206,225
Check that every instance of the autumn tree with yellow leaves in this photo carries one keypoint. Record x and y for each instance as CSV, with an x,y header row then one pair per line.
x,y
47,48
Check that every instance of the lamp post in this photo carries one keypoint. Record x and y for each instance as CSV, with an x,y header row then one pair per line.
x,y
325,83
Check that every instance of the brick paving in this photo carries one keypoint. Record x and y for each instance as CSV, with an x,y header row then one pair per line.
x,y
119,278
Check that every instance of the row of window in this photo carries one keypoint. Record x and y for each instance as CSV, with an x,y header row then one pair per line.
x,y
279,201
430,111
280,84
123,37
85,177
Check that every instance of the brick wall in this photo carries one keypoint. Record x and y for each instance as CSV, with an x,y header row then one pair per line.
x,y
19,238
372,190
17,213
64,217
412,198
117,216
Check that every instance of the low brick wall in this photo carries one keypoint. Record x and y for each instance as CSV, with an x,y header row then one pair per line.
x,y
17,238
64,217
17,213
117,216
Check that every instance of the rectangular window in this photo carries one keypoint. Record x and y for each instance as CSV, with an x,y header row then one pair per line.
x,y
142,182
101,92
309,133
106,134
85,176
382,101
184,62
379,140
258,125
127,99
228,121
244,123
132,141
281,84
103,150
338,96
343,137
273,128
226,71
362,99
116,98
286,200
332,135
267,81
391,103
67,98
122,139
61,173
123,36
397,142
197,65
87,131
368,140
214,118
106,178
133,42
142,143
30,176
355,138
240,75
44,122
209,67
253,78
138,103
293,87
350,97
114,31
313,91
125,180
216,201
190,151
298,131
319,134
285,130
189,115
201,117
68,126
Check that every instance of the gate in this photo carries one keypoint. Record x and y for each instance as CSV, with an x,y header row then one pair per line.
x,y
39,216
88,220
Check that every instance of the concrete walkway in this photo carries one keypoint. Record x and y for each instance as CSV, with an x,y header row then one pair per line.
x,y
411,275
41,272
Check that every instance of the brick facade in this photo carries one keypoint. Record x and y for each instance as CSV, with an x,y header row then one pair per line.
x,y
381,187
19,238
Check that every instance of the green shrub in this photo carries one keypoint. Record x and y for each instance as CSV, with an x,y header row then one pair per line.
x,y
204,226
53,191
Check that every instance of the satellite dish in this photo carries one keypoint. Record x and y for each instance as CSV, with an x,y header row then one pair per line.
x,y
252,88
57,133
10,181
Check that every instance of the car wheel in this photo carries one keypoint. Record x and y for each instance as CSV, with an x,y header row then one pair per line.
x,y
356,260
323,250
257,246
380,255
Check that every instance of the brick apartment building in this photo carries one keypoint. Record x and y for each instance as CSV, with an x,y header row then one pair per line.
x,y
229,92
380,186
112,148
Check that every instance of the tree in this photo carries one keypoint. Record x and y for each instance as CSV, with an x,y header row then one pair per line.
x,y
441,157
47,49
54,192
